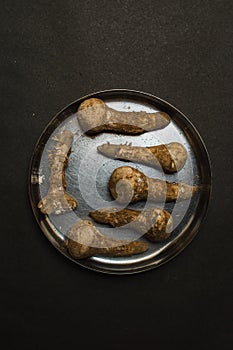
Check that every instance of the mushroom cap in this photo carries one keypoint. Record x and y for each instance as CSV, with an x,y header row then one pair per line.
x,y
91,113
128,184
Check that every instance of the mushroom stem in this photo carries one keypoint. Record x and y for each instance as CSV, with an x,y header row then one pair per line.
x,y
84,241
95,117
169,157
155,224
129,185
57,200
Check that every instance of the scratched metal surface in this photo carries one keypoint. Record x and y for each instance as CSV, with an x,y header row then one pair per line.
x,y
88,174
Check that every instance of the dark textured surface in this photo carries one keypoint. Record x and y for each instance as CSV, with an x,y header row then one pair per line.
x,y
53,52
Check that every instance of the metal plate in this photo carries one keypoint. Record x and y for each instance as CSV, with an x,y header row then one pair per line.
x,y
88,173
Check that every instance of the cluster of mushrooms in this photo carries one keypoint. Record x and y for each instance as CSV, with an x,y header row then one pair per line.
x,y
126,184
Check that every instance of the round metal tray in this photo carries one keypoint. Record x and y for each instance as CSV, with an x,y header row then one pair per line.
x,y
88,173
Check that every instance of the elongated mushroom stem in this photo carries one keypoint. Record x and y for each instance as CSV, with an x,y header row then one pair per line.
x,y
156,224
84,241
170,157
129,185
57,200
95,117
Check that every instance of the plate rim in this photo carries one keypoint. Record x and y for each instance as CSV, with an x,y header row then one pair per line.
x,y
107,268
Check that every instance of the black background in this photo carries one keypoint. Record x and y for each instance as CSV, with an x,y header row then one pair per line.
x,y
53,52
